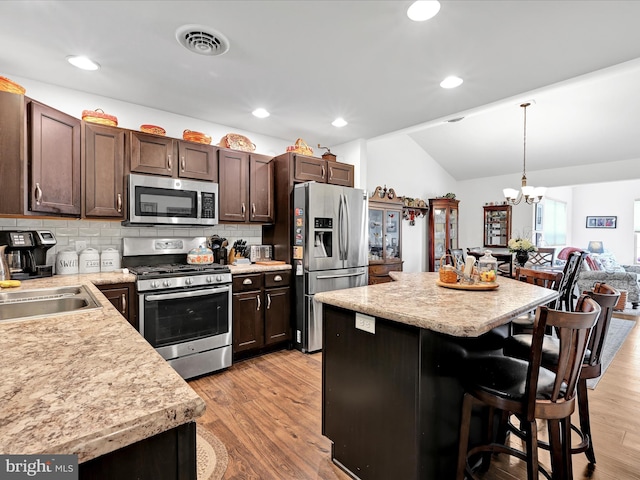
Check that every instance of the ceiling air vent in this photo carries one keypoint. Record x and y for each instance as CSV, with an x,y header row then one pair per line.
x,y
202,40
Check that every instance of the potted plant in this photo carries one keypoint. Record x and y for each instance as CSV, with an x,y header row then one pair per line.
x,y
521,247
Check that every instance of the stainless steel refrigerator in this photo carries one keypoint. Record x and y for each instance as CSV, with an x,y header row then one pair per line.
x,y
329,251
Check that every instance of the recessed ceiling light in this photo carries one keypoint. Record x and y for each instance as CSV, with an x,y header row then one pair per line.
x,y
423,10
260,113
451,82
339,122
82,62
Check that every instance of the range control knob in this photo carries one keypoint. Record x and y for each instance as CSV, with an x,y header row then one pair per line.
x,y
188,281
209,279
166,283
218,278
155,284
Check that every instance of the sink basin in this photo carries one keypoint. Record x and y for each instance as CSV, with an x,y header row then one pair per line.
x,y
44,302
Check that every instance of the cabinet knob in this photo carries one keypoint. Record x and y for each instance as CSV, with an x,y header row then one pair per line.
x,y
258,298
243,209
247,281
253,210
330,173
38,194
169,164
323,171
124,304
268,301
183,164
119,203
277,278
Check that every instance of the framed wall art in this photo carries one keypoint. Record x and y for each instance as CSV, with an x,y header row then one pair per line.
x,y
602,222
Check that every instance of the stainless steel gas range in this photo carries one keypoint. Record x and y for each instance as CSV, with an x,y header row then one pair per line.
x,y
184,309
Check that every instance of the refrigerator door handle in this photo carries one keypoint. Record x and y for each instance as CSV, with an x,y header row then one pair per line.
x,y
341,275
340,226
347,242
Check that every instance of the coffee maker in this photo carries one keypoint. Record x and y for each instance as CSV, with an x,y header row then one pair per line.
x,y
26,253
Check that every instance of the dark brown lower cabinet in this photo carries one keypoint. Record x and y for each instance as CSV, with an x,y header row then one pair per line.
x,y
170,455
123,297
261,312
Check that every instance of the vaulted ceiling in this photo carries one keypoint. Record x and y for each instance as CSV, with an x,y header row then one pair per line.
x,y
308,62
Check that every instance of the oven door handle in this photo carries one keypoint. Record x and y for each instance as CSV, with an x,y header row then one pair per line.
x,y
197,293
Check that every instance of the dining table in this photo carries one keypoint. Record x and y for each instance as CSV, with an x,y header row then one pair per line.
x,y
503,256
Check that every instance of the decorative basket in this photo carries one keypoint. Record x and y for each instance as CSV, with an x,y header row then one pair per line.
x,y
7,85
196,137
447,272
236,141
154,129
98,116
300,147
622,301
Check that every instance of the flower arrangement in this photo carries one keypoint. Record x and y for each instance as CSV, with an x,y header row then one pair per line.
x,y
521,245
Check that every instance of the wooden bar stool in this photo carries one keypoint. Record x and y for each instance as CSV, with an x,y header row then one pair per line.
x,y
519,346
530,392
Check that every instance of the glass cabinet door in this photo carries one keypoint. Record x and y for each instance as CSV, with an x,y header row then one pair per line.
x,y
392,237
439,235
375,234
453,228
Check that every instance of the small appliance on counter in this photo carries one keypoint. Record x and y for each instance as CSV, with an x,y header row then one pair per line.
x,y
219,247
26,253
260,253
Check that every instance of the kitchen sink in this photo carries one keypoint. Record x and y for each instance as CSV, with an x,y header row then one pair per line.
x,y
44,302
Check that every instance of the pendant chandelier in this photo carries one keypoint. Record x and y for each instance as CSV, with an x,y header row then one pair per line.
x,y
530,194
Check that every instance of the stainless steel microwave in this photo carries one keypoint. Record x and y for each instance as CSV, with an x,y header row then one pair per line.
x,y
157,200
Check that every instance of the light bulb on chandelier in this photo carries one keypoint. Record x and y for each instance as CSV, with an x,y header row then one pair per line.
x,y
530,194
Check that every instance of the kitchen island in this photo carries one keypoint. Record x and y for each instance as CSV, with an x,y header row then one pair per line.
x,y
89,384
392,358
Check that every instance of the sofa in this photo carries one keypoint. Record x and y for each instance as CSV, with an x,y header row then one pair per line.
x,y
605,269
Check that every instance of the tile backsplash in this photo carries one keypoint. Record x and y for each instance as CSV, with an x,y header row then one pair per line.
x,y
104,234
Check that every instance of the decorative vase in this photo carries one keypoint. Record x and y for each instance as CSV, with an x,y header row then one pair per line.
x,y
522,257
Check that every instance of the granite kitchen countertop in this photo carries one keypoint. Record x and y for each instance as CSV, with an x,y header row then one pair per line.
x,y
415,299
85,383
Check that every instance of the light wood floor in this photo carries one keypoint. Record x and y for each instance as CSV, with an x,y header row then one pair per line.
x,y
267,412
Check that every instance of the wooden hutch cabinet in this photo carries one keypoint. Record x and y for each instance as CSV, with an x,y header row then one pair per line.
x,y
385,235
443,229
497,225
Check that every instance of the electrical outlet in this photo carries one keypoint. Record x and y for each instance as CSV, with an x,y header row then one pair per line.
x,y
80,245
366,323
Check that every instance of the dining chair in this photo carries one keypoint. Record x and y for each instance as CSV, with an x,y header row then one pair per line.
x,y
541,278
529,391
457,254
569,280
543,257
519,346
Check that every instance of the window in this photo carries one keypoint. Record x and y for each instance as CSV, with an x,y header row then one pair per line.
x,y
555,222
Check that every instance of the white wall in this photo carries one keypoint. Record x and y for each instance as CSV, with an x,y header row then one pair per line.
x,y
399,163
615,198
131,116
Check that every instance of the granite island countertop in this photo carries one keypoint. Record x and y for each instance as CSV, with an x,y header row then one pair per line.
x,y
85,383
415,299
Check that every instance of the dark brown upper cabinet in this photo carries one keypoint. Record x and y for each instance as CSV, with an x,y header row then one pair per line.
x,y
54,153
307,169
103,162
246,187
158,155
